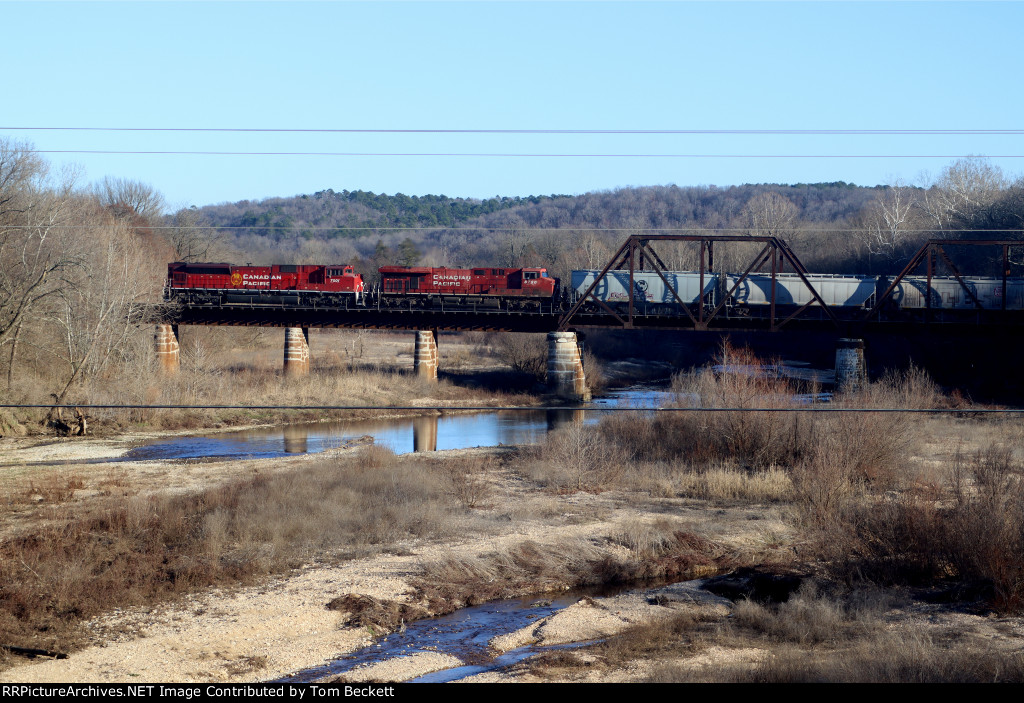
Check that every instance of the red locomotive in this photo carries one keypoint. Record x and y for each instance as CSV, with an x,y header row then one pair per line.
x,y
281,284
340,286
509,288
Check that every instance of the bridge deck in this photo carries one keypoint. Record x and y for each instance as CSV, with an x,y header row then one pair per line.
x,y
850,322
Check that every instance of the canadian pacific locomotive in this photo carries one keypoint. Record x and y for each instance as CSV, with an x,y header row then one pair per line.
x,y
284,284
509,288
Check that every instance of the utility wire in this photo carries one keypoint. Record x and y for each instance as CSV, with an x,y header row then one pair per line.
x,y
521,155
299,130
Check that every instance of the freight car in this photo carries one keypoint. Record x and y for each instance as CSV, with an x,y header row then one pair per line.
x,y
226,284
753,295
790,289
649,293
948,294
500,288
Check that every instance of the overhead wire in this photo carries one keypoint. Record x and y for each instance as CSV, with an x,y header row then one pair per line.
x,y
128,152
428,130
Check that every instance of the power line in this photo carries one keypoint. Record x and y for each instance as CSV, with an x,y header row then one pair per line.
x,y
519,155
303,130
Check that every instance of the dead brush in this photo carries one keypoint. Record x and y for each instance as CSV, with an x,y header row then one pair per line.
x,y
968,536
366,611
577,458
466,478
55,488
885,657
146,549
806,618
531,567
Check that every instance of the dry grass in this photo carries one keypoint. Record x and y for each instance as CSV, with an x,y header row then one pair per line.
x,y
653,551
883,658
84,561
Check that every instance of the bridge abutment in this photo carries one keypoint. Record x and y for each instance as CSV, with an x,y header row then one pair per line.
x,y
565,367
425,358
168,350
296,351
851,370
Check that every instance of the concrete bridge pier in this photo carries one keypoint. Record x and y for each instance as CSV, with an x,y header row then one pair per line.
x,y
565,367
425,363
296,351
168,351
851,370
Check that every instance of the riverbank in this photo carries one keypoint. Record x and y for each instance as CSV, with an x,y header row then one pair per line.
x,y
282,624
536,539
251,569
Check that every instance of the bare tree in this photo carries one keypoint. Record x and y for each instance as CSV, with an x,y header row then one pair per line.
x,y
514,241
191,240
891,220
38,249
769,214
99,314
965,189
129,199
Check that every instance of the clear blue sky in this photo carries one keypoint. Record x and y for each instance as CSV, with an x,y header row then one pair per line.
x,y
515,65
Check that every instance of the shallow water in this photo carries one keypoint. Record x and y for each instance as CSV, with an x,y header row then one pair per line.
x,y
402,435
424,433
465,634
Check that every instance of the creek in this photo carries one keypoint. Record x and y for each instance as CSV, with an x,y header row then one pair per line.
x,y
402,435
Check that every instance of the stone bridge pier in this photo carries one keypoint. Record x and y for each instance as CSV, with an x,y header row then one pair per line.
x,y
167,348
425,357
565,367
296,351
851,370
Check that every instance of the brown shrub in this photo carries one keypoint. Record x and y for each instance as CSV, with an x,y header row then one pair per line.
x,y
145,549
968,535
577,458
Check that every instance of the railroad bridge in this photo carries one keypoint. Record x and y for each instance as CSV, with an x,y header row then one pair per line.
x,y
848,325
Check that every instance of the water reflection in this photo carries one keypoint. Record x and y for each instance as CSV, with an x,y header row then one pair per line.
x,y
296,439
562,417
402,435
424,433
421,434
